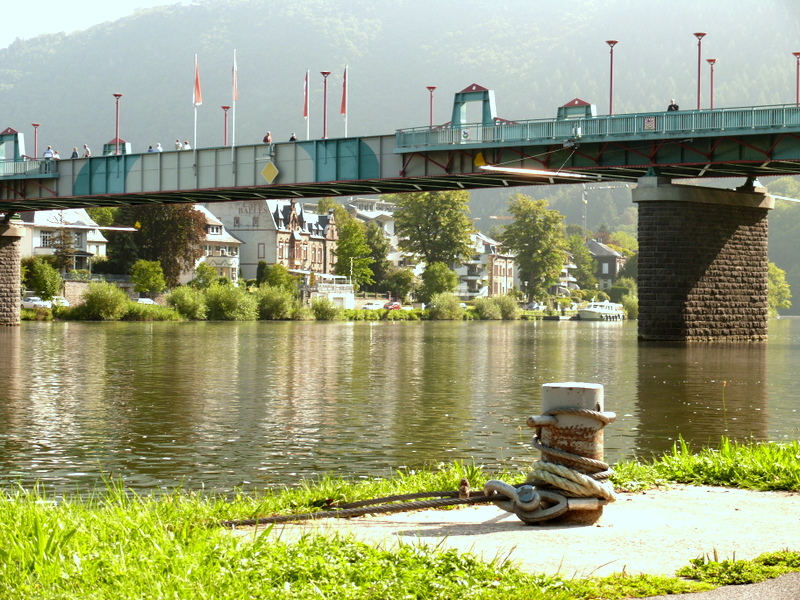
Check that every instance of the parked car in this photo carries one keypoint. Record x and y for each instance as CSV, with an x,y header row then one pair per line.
x,y
60,301
372,306
35,302
392,306
145,301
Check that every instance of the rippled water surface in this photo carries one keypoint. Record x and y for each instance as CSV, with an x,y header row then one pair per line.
x,y
216,405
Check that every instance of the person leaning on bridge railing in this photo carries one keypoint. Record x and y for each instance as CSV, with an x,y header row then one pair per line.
x,y
672,106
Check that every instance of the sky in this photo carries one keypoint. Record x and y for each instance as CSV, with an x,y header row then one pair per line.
x,y
54,16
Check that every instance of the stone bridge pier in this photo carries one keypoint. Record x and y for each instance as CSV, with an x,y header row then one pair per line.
x,y
702,261
10,236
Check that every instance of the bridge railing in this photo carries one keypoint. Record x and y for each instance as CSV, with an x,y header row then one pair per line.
x,y
27,167
637,125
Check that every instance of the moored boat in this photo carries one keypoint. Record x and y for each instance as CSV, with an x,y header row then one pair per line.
x,y
601,311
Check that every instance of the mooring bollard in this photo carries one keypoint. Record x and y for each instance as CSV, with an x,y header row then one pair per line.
x,y
571,479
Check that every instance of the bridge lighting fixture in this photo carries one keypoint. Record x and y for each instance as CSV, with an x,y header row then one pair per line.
x,y
430,89
700,35
35,139
797,85
324,103
611,44
711,62
225,126
116,137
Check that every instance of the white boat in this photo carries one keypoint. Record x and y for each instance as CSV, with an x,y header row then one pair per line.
x,y
601,311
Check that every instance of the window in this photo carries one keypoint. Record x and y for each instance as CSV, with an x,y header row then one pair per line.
x,y
215,229
46,239
233,273
236,221
261,249
255,221
605,269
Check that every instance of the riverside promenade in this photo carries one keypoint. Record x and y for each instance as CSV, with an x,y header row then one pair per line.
x,y
653,532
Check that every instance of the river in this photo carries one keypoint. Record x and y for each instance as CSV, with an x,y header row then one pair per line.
x,y
218,405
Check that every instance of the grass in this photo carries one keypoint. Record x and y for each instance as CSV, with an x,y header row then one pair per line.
x,y
116,544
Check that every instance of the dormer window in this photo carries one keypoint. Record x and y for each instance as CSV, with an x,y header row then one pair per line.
x,y
215,229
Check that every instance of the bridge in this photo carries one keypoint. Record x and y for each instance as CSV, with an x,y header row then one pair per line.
x,y
686,292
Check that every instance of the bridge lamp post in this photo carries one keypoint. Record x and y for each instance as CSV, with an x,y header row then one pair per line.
x,y
430,90
699,36
611,44
116,137
325,103
711,62
35,139
225,126
797,85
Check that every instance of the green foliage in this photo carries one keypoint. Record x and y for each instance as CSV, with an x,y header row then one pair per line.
x,y
434,225
585,266
277,276
779,294
148,277
275,303
102,215
401,283
437,278
230,303
536,237
487,309
204,276
740,572
353,254
445,307
378,251
189,302
44,279
630,304
150,312
102,302
509,308
325,309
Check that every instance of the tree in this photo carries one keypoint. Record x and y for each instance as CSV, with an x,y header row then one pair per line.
x,y
779,294
434,225
172,234
148,277
437,278
378,251
401,283
278,276
102,215
44,279
583,261
63,243
353,257
536,237
204,276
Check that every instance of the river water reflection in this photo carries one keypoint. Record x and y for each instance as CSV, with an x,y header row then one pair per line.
x,y
218,405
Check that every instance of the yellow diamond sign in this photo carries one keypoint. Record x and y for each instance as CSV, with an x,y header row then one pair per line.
x,y
270,172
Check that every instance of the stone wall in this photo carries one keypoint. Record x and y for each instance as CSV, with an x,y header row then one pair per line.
x,y
9,275
702,271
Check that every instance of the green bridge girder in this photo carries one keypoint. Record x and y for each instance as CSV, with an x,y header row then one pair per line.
x,y
750,141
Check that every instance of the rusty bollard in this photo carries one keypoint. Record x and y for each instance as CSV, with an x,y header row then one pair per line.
x,y
570,481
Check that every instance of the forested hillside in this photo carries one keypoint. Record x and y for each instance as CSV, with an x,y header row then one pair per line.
x,y
535,55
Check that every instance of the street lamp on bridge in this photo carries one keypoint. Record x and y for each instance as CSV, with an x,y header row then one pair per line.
x,y
225,126
711,62
611,44
699,36
325,103
116,138
430,89
35,139
797,85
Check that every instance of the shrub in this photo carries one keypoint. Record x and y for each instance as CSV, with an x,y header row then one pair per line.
x,y
275,303
631,306
189,302
325,309
102,302
303,313
508,306
445,307
488,309
150,312
230,303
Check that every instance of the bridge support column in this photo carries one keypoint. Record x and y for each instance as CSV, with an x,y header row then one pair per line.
x,y
10,236
702,262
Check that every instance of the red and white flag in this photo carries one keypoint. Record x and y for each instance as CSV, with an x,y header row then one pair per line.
x,y
235,79
198,94
343,109
305,95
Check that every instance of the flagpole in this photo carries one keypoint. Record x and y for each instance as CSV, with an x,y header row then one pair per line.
x,y
306,105
197,100
233,102
343,109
